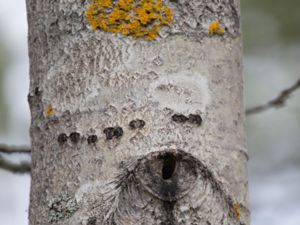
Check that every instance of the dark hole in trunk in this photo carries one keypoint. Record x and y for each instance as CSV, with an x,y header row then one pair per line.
x,y
169,164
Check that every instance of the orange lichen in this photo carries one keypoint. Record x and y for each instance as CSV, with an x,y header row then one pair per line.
x,y
214,28
138,18
236,210
49,111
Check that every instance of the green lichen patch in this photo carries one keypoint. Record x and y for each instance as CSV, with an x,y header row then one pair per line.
x,y
61,207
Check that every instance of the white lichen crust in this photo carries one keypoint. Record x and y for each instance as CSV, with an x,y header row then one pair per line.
x,y
95,80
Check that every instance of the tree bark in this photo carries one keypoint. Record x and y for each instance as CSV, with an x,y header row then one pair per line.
x,y
132,131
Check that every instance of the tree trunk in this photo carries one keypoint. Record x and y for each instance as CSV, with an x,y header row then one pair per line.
x,y
137,126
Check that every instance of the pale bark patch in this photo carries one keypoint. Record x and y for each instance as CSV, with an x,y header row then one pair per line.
x,y
189,89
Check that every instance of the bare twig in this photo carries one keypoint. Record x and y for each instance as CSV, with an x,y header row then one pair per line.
x,y
14,149
23,167
277,102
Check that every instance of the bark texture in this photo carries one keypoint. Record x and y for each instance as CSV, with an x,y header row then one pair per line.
x,y
127,131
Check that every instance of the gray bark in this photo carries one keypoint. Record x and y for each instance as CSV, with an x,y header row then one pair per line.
x,y
120,146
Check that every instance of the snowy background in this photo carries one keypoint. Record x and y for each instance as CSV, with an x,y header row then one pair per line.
x,y
271,30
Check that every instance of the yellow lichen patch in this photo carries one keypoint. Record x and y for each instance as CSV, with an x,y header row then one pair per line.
x,y
49,111
236,210
138,18
215,28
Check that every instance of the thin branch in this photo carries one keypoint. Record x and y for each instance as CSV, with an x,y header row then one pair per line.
x,y
277,102
14,149
23,167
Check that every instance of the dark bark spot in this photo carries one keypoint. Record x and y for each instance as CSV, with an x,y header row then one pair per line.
x,y
195,119
92,139
179,118
29,98
62,138
118,132
37,91
113,132
109,132
74,137
137,124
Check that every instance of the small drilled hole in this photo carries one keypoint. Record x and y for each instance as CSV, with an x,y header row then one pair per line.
x,y
169,164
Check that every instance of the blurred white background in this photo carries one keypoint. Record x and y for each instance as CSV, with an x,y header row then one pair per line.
x,y
271,63
14,110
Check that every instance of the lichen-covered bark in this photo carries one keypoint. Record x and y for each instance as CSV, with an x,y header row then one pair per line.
x,y
128,131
